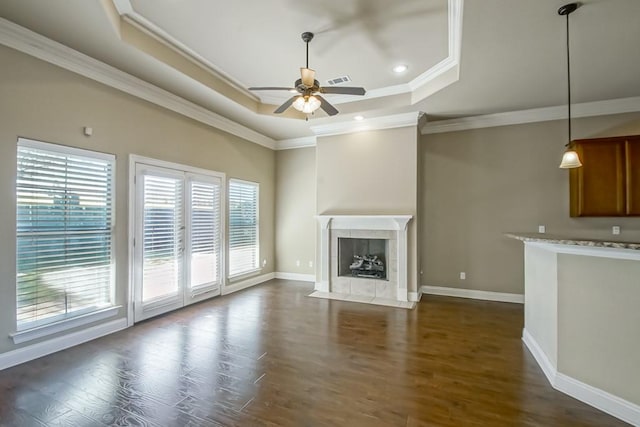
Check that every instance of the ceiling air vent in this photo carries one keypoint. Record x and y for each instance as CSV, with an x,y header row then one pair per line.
x,y
338,80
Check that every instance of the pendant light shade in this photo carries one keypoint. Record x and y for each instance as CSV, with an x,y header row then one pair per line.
x,y
570,158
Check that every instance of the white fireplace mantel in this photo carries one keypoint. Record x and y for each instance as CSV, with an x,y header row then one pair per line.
x,y
364,222
393,223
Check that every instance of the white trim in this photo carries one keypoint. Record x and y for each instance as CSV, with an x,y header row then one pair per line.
x,y
587,109
34,351
131,189
63,325
421,83
245,274
365,222
31,43
135,158
455,8
296,276
138,21
288,144
414,296
238,286
473,294
375,123
543,361
600,399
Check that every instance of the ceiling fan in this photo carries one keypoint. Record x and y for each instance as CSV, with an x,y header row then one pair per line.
x,y
308,88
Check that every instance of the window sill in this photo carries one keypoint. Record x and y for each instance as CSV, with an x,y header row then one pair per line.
x,y
63,325
244,275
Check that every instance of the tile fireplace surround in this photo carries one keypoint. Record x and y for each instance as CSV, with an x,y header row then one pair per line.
x,y
393,228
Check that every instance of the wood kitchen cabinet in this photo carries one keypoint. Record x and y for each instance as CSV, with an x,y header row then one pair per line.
x,y
608,183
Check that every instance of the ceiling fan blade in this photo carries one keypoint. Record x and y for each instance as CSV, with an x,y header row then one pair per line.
x,y
328,108
344,90
286,105
308,76
271,88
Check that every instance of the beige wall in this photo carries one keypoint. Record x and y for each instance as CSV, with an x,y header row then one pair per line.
x,y
599,323
371,173
43,102
481,183
295,210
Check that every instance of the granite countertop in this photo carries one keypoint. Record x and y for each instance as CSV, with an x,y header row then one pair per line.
x,y
561,240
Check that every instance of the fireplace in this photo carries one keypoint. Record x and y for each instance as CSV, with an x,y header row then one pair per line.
x,y
363,258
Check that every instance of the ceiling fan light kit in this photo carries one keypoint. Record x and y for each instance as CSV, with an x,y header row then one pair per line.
x,y
308,90
570,158
306,105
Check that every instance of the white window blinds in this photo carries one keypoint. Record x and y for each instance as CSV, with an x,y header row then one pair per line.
x,y
243,227
204,233
64,232
163,236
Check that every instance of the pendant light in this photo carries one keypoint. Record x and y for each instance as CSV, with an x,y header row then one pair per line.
x,y
570,158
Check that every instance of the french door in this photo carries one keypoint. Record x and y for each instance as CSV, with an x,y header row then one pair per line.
x,y
178,238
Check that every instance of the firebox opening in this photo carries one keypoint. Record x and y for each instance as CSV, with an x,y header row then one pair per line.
x,y
366,258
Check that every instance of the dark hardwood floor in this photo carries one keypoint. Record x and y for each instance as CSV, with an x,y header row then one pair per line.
x,y
271,356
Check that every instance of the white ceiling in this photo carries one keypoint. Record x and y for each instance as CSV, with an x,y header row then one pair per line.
x,y
512,51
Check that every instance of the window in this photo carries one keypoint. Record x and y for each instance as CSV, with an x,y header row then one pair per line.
x,y
243,227
65,229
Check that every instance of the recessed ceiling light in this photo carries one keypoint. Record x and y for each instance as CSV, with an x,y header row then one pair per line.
x,y
358,118
400,68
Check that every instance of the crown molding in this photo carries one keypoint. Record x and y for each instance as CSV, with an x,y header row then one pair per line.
x,y
288,144
144,25
38,46
376,123
427,83
587,109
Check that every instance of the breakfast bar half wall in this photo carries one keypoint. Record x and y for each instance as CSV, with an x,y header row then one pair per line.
x,y
582,319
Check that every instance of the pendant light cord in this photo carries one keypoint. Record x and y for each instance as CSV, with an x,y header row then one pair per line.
x,y
568,82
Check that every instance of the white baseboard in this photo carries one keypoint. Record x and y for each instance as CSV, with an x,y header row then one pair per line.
x,y
611,404
34,351
238,286
296,276
414,296
473,294
543,361
605,401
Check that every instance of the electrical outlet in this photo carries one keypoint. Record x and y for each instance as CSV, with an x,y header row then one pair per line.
x,y
615,229
542,229
310,264
264,262
463,275
298,263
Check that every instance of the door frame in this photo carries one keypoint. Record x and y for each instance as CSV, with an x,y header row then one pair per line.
x,y
186,169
